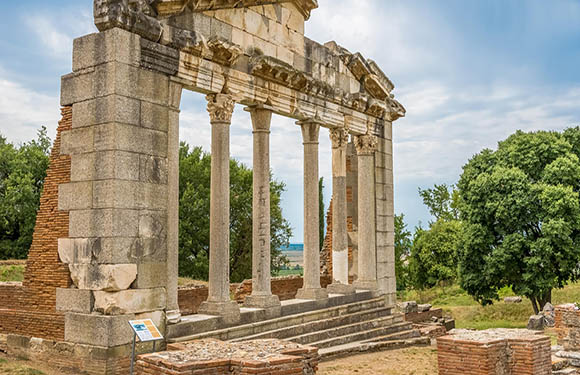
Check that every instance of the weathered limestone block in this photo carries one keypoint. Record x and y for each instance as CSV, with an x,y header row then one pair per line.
x,y
75,196
76,250
74,300
128,194
106,277
409,307
99,330
512,299
103,165
107,250
536,322
151,275
104,223
111,108
112,45
116,136
129,301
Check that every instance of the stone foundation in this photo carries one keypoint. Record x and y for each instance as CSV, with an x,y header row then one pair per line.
x,y
568,327
494,352
273,357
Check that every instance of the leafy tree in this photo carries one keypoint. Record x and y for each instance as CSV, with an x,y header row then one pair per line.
x,y
441,201
521,215
194,193
434,254
22,173
321,212
403,245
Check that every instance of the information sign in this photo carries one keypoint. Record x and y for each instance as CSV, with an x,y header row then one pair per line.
x,y
145,330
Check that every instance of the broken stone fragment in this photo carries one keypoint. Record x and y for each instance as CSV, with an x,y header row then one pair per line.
x,y
536,322
512,299
409,307
424,308
129,301
107,277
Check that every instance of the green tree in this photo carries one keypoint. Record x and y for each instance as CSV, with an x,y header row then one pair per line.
x,y
321,212
403,243
22,173
441,201
194,193
434,254
521,214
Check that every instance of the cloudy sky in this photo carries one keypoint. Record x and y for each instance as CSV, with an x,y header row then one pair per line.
x,y
469,73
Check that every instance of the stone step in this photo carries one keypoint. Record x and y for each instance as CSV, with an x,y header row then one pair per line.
x,y
185,333
401,335
320,325
362,335
348,329
354,348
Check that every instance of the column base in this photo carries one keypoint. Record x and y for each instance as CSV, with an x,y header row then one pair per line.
x,y
269,303
366,285
229,311
338,288
173,316
313,294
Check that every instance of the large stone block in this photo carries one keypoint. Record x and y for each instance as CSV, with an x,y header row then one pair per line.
x,y
114,78
151,275
154,116
103,223
153,169
76,250
74,300
105,165
129,194
114,45
77,141
105,250
75,196
130,301
112,108
115,136
105,277
152,224
98,330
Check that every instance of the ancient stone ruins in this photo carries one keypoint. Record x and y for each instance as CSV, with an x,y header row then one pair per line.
x,y
105,248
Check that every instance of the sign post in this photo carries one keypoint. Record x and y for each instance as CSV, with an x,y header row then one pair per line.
x,y
146,331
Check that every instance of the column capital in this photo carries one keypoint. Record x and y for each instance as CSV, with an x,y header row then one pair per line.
x,y
366,144
220,107
339,137
261,115
310,131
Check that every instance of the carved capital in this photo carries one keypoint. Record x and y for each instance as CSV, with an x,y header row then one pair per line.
x,y
310,131
366,144
220,107
339,137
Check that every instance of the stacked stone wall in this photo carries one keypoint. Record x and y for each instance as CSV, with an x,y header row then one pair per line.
x,y
568,327
494,352
29,308
284,287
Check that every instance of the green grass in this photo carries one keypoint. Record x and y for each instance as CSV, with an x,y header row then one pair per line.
x,y
12,273
469,314
290,272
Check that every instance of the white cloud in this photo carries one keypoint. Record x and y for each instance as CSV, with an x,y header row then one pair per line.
x,y
23,111
56,31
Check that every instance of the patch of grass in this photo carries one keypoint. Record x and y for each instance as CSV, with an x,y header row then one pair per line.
x,y
469,314
291,272
11,273
2,360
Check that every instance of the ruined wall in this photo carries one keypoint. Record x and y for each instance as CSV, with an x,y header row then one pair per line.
x,y
28,308
568,327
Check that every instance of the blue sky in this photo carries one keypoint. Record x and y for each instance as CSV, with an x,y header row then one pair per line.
x,y
469,73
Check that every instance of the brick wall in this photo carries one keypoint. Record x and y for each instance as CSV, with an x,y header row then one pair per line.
x,y
568,327
190,298
494,352
32,307
272,357
284,287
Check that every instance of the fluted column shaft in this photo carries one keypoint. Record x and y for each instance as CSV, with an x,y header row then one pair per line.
x,y
311,288
261,296
366,146
220,108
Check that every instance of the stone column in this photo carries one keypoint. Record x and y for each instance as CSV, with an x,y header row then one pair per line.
x,y
172,311
261,296
311,288
220,108
366,146
340,284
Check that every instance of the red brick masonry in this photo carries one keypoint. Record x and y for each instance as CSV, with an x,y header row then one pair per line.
x,y
494,352
29,308
568,327
272,357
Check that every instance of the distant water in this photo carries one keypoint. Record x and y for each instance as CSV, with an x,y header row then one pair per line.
x,y
295,253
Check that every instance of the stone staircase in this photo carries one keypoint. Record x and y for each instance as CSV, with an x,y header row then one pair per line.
x,y
337,331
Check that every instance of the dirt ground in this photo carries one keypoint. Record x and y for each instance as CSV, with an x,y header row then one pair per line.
x,y
12,366
410,361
